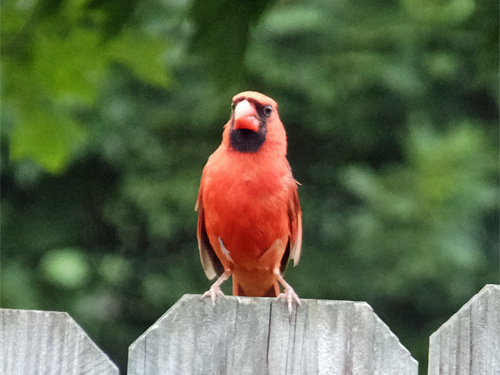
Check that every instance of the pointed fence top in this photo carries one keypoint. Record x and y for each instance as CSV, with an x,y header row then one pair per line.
x,y
48,342
469,342
243,335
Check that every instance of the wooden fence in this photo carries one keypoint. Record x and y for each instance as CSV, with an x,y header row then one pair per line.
x,y
242,335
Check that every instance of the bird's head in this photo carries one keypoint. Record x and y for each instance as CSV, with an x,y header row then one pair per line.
x,y
254,121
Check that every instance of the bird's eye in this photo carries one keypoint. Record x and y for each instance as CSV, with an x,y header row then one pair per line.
x,y
267,110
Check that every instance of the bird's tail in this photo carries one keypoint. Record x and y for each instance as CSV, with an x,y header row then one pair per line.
x,y
273,291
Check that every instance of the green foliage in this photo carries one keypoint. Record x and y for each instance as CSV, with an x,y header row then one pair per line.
x,y
440,11
65,267
222,35
433,206
55,65
47,137
110,110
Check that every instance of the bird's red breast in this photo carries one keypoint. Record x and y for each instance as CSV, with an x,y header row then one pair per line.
x,y
249,214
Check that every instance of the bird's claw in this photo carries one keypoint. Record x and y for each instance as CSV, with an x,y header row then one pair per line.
x,y
214,290
213,293
289,296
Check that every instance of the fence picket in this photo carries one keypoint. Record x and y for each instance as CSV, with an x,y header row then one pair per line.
x,y
469,342
48,342
242,335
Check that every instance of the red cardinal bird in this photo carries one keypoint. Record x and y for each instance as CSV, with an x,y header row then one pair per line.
x,y
250,221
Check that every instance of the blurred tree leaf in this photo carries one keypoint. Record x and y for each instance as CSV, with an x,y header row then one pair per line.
x,y
19,286
114,269
222,30
68,66
66,267
116,14
142,55
46,137
56,66
447,11
456,169
424,217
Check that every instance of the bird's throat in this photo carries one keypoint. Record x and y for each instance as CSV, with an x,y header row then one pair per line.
x,y
245,140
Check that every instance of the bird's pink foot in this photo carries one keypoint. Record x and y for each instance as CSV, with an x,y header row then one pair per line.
x,y
289,296
214,290
213,293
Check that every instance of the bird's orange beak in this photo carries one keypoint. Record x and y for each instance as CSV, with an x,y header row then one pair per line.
x,y
245,116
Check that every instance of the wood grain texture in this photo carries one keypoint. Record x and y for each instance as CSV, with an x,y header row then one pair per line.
x,y
469,342
242,335
46,342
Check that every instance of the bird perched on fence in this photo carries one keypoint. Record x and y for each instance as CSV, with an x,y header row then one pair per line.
x,y
250,220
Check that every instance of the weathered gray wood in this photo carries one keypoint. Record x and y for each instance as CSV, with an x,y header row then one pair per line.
x,y
47,342
241,335
469,342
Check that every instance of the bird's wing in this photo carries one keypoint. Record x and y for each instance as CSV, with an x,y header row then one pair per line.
x,y
211,264
295,217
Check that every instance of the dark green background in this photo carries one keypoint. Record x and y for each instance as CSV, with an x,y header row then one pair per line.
x,y
111,108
